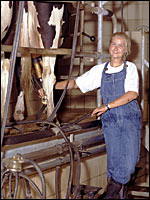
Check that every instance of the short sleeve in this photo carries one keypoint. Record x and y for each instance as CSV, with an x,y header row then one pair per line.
x,y
91,79
132,78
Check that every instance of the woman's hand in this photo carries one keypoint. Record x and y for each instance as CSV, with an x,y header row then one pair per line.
x,y
100,110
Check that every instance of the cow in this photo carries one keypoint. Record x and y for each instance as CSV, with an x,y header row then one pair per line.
x,y
42,27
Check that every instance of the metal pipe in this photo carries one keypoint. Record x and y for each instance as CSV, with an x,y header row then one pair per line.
x,y
99,47
143,68
122,16
81,39
104,2
143,29
114,21
65,160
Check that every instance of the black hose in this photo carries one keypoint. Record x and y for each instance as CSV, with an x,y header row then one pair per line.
x,y
70,154
10,186
78,120
23,175
28,188
5,174
78,172
23,186
16,185
57,181
40,174
75,35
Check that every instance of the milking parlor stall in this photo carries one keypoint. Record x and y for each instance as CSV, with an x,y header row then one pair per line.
x,y
51,147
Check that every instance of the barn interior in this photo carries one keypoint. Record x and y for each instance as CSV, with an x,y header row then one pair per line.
x,y
68,159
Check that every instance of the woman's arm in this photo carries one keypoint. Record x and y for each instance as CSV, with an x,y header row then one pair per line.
x,y
124,99
61,85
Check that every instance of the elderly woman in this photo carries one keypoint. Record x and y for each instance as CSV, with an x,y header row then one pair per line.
x,y
120,114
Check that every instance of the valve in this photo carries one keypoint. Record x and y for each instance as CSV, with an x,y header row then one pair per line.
x,y
92,38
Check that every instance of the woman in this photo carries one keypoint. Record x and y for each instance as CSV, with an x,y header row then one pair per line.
x,y
120,113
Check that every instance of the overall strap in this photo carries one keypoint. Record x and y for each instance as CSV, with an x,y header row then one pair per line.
x,y
125,67
105,67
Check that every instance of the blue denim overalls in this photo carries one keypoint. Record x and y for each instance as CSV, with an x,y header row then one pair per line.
x,y
121,127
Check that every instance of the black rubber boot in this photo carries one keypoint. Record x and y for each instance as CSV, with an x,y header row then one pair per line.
x,y
113,189
123,194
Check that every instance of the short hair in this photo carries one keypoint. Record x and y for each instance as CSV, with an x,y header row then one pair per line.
x,y
127,39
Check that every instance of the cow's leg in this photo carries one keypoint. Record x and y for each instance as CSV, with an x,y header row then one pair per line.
x,y
25,81
6,7
5,66
49,81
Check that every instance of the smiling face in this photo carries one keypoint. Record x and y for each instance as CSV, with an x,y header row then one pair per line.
x,y
117,48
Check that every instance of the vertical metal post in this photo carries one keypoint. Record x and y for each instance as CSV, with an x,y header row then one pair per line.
x,y
143,68
143,29
81,38
99,47
122,16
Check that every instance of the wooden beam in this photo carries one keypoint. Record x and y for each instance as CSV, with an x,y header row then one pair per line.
x,y
29,50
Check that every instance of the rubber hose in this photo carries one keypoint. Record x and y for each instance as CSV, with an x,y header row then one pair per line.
x,y
16,185
40,174
23,175
57,182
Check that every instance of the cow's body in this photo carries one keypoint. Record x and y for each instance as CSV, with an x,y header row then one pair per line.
x,y
41,28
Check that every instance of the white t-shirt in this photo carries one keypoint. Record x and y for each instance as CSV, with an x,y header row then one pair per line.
x,y
91,79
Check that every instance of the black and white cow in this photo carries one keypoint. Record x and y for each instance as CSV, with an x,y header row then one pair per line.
x,y
42,27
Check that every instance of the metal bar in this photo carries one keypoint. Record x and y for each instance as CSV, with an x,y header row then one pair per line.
x,y
99,47
62,161
143,30
12,65
122,16
60,149
81,39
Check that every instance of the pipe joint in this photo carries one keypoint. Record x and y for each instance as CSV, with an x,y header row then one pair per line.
x,y
97,10
143,28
